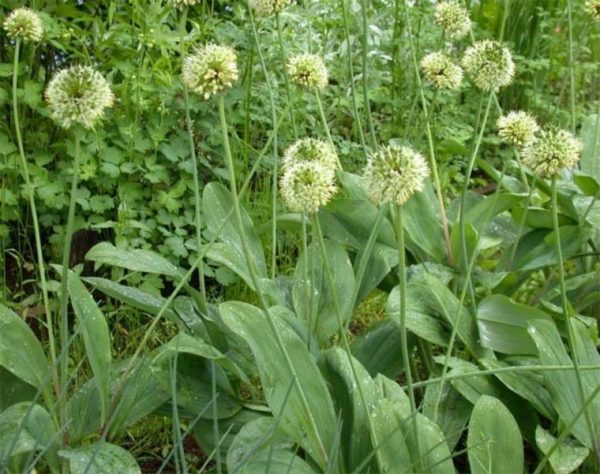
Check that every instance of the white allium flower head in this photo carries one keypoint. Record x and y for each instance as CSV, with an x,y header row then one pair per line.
x,y
439,70
489,65
307,186
183,3
78,95
308,70
551,152
453,18
593,8
393,174
211,69
518,128
24,24
311,150
268,7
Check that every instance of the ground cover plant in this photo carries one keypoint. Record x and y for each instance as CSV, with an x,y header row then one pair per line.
x,y
300,236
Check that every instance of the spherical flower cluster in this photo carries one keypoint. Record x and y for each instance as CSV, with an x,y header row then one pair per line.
x,y
308,70
268,7
307,186
311,150
210,70
183,3
489,64
552,151
24,24
593,7
78,96
518,128
393,174
453,18
440,71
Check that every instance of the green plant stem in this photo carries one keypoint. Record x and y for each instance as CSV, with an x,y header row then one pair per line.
x,y
324,121
432,158
285,73
361,134
34,216
254,277
307,299
365,67
343,335
567,316
571,71
521,225
64,293
194,166
397,217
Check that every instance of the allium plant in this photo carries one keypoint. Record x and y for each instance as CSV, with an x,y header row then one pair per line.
x,y
310,150
453,18
489,65
183,3
307,186
308,70
78,95
441,72
517,127
212,69
24,24
593,8
393,174
268,7
551,152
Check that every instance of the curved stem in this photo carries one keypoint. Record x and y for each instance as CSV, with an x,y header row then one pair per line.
x,y
432,158
194,166
64,294
571,66
34,216
255,279
285,74
274,176
567,316
343,335
361,134
365,67
397,216
324,120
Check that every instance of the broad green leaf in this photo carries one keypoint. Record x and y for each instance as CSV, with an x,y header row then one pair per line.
x,y
217,204
562,384
24,428
524,384
20,351
346,390
259,447
101,458
590,137
453,411
379,348
567,457
133,259
307,413
314,298
13,389
503,325
397,443
494,441
96,337
539,218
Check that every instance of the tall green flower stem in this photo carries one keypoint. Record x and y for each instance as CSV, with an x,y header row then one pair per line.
x,y
194,165
254,277
275,147
399,229
361,134
307,278
324,120
285,73
365,70
343,334
34,216
567,317
571,65
64,294
428,131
